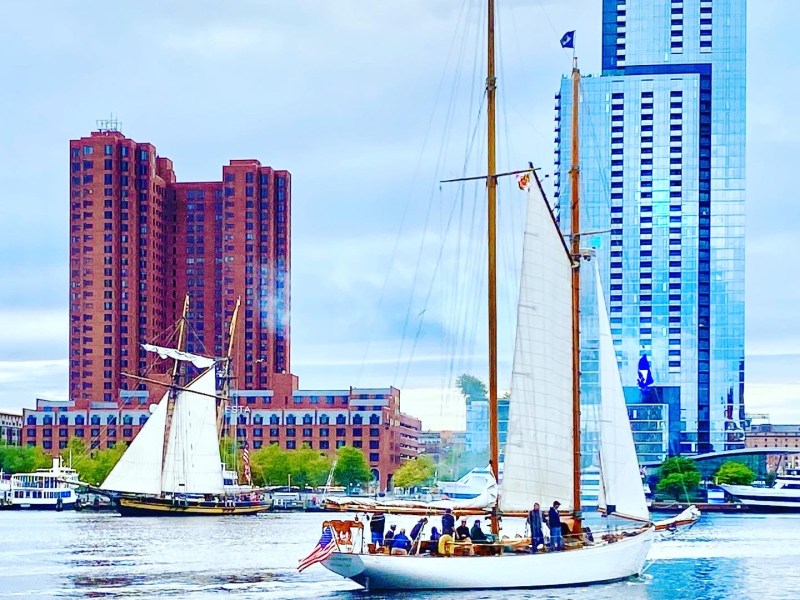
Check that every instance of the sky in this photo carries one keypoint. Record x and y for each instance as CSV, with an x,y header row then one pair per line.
x,y
368,105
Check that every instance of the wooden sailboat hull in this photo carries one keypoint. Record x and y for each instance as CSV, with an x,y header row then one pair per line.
x,y
155,507
593,564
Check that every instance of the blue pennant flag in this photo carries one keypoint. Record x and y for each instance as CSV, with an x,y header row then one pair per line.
x,y
568,40
645,376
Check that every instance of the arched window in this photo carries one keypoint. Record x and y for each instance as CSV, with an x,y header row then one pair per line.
x,y
127,420
307,419
357,420
143,419
258,420
242,419
340,419
274,420
62,420
324,419
79,420
95,419
291,420
374,420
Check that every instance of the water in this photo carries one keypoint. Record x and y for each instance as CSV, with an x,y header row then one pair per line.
x,y
103,555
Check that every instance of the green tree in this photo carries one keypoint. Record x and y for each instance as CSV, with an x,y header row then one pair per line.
x,y
101,463
23,459
270,466
351,467
472,387
679,477
679,485
735,473
308,467
677,464
227,451
418,471
76,455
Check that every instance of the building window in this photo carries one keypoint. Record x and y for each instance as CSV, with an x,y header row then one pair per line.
x,y
374,444
307,432
374,457
340,419
290,445
324,445
290,432
341,432
291,420
324,432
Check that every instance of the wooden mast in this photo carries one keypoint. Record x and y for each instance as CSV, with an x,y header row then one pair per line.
x,y
491,188
173,390
575,236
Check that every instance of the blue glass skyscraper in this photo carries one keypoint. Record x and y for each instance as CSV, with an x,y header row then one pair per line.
x,y
662,170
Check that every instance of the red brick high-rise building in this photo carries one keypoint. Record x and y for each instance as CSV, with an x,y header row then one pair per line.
x,y
140,241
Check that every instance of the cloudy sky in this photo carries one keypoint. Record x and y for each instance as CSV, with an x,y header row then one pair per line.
x,y
368,104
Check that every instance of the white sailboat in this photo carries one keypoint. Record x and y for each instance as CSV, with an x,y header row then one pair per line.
x,y
542,455
174,466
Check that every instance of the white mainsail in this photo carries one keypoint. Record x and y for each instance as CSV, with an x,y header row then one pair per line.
x,y
539,457
193,463
138,471
620,482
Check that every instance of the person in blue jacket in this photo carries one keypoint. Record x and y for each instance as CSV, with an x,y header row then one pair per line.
x,y
554,523
400,543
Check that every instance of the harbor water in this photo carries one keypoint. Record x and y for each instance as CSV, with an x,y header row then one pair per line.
x,y
102,555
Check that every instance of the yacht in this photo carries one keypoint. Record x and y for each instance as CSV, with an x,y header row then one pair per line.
x,y
783,496
45,489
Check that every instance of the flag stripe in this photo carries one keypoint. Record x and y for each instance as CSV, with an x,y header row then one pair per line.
x,y
324,548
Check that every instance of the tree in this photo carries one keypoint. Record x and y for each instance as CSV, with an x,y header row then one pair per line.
x,y
735,473
417,471
678,477
22,459
270,466
472,387
102,461
351,467
679,485
308,467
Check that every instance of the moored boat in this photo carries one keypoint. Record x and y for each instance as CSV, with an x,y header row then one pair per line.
x,y
45,489
783,496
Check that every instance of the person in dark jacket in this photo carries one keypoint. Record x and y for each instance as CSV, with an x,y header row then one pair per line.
x,y
400,543
387,540
448,522
476,533
554,523
417,529
377,526
462,531
535,524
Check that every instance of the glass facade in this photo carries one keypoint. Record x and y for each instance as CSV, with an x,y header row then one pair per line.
x,y
662,159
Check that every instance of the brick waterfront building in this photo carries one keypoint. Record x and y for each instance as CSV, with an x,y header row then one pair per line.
x,y
140,241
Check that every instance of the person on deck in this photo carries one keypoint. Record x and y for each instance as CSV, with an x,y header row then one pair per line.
x,y
554,523
462,532
434,543
476,533
387,540
417,529
376,527
535,524
400,543
448,522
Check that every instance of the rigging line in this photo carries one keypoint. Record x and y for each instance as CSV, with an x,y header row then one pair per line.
x,y
425,230
406,208
447,125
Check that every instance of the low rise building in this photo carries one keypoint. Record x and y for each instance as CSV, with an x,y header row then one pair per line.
x,y
11,427
767,435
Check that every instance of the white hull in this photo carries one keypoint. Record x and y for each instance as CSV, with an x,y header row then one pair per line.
x,y
594,564
766,499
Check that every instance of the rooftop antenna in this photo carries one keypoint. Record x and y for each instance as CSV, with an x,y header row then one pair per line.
x,y
110,124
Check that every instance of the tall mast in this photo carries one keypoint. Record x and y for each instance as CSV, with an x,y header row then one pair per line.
x,y
574,173
491,188
173,390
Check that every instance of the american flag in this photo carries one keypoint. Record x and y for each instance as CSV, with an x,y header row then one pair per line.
x,y
246,463
324,548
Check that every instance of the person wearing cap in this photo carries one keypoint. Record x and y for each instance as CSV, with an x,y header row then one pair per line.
x,y
476,533
400,543
462,532
554,523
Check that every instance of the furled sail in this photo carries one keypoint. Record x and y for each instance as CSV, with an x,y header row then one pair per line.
x,y
138,471
539,458
193,464
621,491
201,362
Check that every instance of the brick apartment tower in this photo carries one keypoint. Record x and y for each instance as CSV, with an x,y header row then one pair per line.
x,y
140,241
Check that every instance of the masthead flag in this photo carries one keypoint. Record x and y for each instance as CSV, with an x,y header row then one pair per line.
x,y
248,475
524,181
645,376
321,551
568,40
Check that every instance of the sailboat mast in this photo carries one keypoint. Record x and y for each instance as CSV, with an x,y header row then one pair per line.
x,y
574,175
491,188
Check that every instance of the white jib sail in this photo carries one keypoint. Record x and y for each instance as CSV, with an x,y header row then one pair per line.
x,y
193,463
538,459
139,469
620,482
201,362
